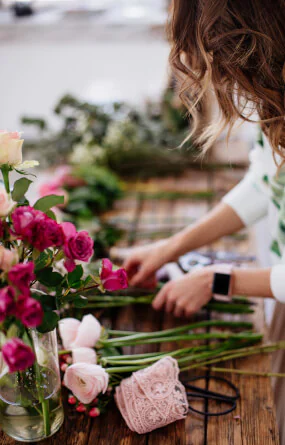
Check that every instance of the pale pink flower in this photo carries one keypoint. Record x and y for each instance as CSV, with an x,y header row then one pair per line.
x,y
10,148
86,381
76,334
68,328
6,203
84,355
7,258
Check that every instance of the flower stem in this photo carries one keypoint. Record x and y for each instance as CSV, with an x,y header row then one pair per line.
x,y
170,332
251,373
125,341
5,174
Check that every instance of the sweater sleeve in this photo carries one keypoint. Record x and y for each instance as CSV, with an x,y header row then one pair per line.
x,y
250,199
277,282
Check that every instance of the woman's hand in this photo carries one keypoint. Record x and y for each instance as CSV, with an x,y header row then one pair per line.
x,y
144,261
188,294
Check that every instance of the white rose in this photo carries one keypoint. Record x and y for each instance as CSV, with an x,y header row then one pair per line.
x,y
86,381
6,203
10,148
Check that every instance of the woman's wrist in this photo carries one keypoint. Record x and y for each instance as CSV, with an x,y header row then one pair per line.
x,y
252,282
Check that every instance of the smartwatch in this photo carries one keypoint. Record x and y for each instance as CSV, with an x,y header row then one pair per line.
x,y
222,282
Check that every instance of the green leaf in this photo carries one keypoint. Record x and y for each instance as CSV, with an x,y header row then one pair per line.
x,y
43,259
51,214
49,323
47,301
80,301
110,351
21,186
75,275
45,203
49,278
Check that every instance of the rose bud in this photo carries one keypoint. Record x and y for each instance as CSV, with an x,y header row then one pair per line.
x,y
6,203
113,279
17,355
10,148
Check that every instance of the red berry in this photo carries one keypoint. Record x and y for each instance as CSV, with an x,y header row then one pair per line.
x,y
81,408
71,400
95,401
64,357
94,412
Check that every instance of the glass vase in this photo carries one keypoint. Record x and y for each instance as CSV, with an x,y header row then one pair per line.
x,y
30,401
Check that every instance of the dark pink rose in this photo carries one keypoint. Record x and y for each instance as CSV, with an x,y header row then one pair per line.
x,y
17,355
23,219
29,311
2,230
7,302
113,279
77,246
48,233
21,275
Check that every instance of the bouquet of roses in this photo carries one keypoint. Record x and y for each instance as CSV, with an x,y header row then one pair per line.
x,y
40,272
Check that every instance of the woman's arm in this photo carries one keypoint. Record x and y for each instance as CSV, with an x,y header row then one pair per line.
x,y
188,294
143,262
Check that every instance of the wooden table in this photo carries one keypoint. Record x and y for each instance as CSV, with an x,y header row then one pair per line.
x,y
253,422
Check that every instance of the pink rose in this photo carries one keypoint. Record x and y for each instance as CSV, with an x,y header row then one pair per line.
x,y
84,355
77,246
37,228
7,302
23,219
29,311
113,279
6,203
47,233
17,355
21,275
86,381
7,258
76,334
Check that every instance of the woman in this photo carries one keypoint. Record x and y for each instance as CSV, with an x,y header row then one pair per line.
x,y
236,50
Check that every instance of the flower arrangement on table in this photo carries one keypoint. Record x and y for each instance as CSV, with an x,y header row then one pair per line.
x,y
40,271
95,369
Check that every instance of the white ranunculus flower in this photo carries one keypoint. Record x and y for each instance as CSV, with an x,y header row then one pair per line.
x,y
86,381
84,355
10,148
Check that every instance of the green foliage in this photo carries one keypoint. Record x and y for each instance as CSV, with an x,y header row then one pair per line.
x,y
21,187
129,141
49,322
47,202
49,278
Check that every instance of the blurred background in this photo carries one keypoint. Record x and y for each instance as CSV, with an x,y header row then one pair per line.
x,y
88,84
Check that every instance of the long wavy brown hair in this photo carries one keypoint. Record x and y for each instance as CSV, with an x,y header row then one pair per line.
x,y
236,50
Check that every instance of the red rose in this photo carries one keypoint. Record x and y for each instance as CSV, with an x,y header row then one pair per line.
x,y
17,355
7,302
77,246
21,275
113,279
29,311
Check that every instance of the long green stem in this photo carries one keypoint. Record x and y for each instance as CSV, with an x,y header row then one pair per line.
x,y
44,402
180,329
186,337
241,353
251,373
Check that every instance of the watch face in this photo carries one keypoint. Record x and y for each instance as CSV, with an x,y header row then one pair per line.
x,y
221,283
